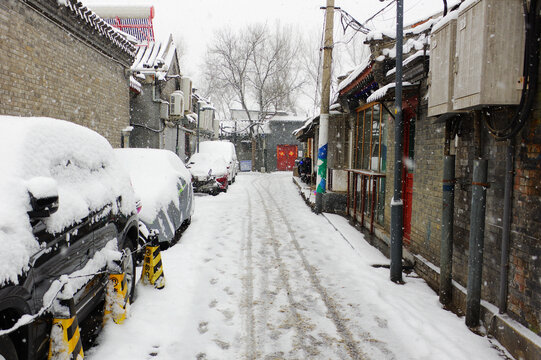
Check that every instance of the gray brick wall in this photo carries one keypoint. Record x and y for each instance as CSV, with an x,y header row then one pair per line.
x,y
427,188
45,71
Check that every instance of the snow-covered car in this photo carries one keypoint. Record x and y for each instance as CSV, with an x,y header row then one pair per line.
x,y
164,187
210,173
67,213
226,149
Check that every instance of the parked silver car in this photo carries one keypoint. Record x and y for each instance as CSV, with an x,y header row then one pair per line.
x,y
164,187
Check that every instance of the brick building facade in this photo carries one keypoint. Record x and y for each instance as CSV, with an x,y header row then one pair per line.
x,y
56,63
466,136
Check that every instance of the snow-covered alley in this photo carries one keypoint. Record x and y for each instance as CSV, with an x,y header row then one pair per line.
x,y
257,275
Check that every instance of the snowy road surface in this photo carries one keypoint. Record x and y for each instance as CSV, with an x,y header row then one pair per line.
x,y
257,275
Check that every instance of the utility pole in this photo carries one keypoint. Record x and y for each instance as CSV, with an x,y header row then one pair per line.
x,y
397,206
324,110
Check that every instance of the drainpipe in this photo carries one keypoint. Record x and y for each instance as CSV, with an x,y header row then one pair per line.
x,y
508,194
477,234
447,219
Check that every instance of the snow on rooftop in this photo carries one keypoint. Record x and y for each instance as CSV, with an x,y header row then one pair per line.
x,y
44,153
157,57
306,125
134,84
354,73
409,60
381,92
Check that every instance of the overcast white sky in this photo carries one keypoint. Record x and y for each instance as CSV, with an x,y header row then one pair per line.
x,y
195,21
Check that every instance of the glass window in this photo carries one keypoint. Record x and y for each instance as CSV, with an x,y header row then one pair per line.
x,y
370,153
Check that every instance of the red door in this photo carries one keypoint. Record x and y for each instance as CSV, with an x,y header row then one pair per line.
x,y
408,196
285,157
409,107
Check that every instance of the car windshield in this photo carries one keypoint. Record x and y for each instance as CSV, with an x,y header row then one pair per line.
x,y
333,179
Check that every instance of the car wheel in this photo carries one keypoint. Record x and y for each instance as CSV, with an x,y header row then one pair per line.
x,y
128,267
7,349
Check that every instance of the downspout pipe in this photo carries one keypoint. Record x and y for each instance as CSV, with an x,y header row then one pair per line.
x,y
397,205
506,231
447,219
476,245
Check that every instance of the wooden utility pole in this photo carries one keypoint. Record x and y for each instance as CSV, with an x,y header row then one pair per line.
x,y
324,110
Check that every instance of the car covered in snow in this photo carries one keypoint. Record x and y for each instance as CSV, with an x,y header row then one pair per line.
x,y
210,173
164,186
67,216
226,149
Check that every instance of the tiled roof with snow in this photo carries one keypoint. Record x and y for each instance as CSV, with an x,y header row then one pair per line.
x,y
355,73
157,57
135,85
96,22
134,20
381,92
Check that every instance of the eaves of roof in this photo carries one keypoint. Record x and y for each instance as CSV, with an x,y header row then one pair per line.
x,y
365,78
84,24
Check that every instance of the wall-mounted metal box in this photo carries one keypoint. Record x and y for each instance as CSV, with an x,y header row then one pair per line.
x,y
441,75
489,54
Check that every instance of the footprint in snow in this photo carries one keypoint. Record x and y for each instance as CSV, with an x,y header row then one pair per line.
x,y
154,351
203,327
213,281
228,291
213,303
222,344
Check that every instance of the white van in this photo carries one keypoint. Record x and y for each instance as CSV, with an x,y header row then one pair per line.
x,y
227,150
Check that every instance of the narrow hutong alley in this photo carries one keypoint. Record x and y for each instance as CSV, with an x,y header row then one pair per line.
x,y
257,275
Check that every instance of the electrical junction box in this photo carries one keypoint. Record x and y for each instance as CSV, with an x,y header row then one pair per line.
x,y
441,75
489,54
164,110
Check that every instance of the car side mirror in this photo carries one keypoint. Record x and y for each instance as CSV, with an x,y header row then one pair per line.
x,y
42,207
43,195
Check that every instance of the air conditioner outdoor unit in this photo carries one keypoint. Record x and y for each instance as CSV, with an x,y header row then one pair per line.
x,y
186,86
176,103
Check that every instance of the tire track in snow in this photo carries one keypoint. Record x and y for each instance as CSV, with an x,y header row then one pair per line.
x,y
354,351
248,281
306,341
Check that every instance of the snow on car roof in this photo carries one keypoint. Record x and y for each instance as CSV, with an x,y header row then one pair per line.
x,y
154,174
41,153
201,163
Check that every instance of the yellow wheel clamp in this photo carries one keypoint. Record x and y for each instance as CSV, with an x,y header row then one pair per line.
x,y
65,341
152,265
117,301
